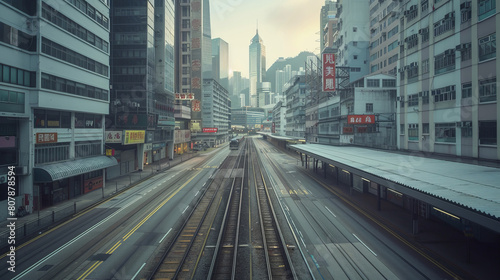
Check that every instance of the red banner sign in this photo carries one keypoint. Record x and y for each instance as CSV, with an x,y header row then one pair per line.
x,y
42,138
347,130
360,119
328,72
209,129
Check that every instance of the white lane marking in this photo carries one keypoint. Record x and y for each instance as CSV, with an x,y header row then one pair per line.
x,y
365,245
165,235
138,271
185,209
197,193
330,212
55,252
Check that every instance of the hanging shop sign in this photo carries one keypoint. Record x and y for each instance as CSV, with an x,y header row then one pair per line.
x,y
134,137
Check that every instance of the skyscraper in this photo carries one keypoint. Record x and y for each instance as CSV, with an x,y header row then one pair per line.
x,y
220,62
257,69
142,79
324,18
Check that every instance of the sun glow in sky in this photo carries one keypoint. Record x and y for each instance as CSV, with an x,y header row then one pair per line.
x,y
286,28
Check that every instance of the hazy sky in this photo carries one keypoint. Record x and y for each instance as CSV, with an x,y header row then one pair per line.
x,y
286,27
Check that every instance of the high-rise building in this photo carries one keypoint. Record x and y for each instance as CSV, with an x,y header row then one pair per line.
x,y
54,94
448,78
220,62
280,81
264,94
384,30
237,83
142,80
207,124
257,65
288,73
327,11
354,38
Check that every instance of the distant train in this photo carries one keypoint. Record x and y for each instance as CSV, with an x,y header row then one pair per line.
x,y
234,144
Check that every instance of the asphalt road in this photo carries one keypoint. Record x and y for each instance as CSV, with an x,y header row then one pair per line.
x,y
117,238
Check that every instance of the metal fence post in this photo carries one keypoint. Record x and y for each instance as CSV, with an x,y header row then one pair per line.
x,y
74,207
53,216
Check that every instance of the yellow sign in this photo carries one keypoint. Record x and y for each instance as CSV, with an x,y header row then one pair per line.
x,y
134,137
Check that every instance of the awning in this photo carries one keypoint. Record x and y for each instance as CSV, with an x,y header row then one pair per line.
x,y
57,171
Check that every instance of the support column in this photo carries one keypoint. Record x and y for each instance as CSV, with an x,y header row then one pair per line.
x,y
414,215
325,166
379,206
351,182
307,162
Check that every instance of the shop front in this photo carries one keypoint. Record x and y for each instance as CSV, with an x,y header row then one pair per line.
x,y
159,151
57,182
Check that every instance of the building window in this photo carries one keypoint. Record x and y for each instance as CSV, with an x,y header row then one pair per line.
x,y
17,38
412,13
448,23
354,29
72,27
59,84
466,90
402,129
444,62
388,83
424,32
466,129
412,41
425,66
424,5
413,132
425,128
488,133
413,100
425,97
444,94
45,153
465,10
465,51
52,119
486,8
372,82
392,32
413,73
12,75
11,101
487,47
393,59
369,107
355,57
488,90
85,149
55,50
445,132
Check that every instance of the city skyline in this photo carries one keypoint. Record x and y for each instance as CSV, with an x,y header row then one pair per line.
x,y
235,21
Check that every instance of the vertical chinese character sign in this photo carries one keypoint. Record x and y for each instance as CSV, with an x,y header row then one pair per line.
x,y
328,72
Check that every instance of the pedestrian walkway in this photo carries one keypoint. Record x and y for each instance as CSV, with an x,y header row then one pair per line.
x,y
40,220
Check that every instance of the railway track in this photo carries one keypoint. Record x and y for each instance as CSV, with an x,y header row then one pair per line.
x,y
224,260
276,254
180,259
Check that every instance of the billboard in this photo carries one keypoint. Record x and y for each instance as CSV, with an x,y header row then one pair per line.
x,y
134,137
328,72
209,129
360,119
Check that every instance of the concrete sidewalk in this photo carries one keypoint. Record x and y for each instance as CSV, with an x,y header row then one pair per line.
x,y
41,220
